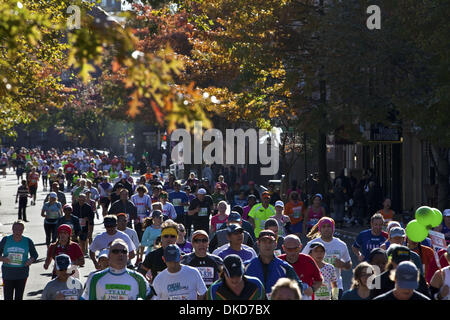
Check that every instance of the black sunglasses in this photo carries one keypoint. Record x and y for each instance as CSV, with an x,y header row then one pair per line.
x,y
169,236
117,251
200,240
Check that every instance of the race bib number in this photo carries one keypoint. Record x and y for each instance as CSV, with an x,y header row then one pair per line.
x,y
53,215
186,209
332,258
83,222
203,212
70,294
207,274
323,293
277,252
176,202
15,258
297,212
117,292
179,297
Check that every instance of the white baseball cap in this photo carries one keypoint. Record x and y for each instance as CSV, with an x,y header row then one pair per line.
x,y
201,191
279,203
446,213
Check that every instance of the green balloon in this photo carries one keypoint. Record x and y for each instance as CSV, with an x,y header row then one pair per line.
x,y
416,231
425,216
437,218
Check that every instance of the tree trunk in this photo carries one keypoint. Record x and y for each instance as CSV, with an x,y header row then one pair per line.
x,y
441,157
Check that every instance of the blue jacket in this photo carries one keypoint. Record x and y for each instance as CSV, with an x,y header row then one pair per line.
x,y
277,269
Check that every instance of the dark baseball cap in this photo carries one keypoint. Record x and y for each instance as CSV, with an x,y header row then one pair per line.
x,y
172,253
233,228
156,214
238,209
399,253
271,222
234,216
406,275
110,221
233,266
62,262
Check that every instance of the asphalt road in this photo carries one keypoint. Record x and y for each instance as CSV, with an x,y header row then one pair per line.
x,y
34,229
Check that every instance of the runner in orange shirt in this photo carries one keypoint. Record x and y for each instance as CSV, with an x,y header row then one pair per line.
x,y
425,253
33,179
295,209
387,213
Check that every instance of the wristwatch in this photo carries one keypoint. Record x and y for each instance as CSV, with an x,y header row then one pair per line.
x,y
437,297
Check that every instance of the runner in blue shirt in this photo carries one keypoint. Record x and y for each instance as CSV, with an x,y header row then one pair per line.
x,y
370,239
179,199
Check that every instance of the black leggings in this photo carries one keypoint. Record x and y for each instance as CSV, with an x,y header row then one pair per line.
x,y
23,209
50,232
14,286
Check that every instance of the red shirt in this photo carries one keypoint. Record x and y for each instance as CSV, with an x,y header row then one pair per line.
x,y
69,168
306,268
73,251
432,267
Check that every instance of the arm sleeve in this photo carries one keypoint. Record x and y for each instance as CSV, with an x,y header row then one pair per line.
x,y
2,245
85,295
44,295
32,248
173,213
213,244
201,287
357,243
345,254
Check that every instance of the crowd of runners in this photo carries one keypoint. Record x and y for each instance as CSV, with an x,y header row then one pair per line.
x,y
204,237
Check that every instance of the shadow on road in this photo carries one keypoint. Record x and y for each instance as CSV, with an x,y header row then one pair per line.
x,y
40,244
48,274
34,293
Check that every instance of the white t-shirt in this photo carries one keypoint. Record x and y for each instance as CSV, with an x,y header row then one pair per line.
x,y
140,203
336,248
169,211
133,236
103,240
113,284
186,284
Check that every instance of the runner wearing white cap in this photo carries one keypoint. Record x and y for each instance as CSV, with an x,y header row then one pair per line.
x,y
284,222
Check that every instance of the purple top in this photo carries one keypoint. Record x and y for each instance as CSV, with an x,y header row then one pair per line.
x,y
186,247
246,253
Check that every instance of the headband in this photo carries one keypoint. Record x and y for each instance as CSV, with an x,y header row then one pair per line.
x,y
326,220
169,231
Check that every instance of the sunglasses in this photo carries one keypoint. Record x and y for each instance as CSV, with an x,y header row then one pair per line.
x,y
291,249
117,251
169,236
200,240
